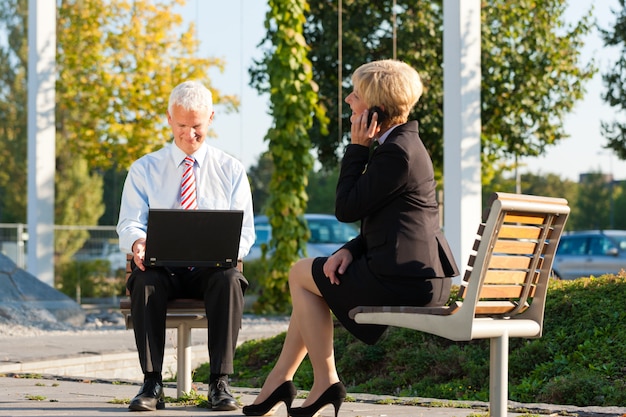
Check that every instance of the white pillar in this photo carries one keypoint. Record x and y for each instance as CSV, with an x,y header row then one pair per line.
x,y
41,140
461,125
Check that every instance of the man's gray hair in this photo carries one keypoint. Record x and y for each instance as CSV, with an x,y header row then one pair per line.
x,y
191,95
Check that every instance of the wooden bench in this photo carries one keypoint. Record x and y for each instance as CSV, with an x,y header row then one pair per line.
x,y
183,314
503,291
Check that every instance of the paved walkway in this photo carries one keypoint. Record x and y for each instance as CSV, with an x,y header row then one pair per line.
x,y
51,396
80,395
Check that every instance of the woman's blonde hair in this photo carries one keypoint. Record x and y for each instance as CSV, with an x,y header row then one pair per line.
x,y
390,84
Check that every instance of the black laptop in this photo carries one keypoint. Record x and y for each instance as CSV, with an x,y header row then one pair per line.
x,y
178,237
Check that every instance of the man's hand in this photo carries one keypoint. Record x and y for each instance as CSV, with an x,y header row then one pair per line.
x,y
337,264
139,252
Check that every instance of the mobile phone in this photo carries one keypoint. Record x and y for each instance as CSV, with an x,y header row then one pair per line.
x,y
379,112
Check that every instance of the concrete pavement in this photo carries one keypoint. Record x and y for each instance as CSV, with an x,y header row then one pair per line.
x,y
53,396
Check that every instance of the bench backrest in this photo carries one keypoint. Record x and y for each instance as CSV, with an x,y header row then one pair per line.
x,y
512,256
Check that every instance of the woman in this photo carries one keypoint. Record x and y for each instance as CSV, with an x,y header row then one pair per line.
x,y
399,258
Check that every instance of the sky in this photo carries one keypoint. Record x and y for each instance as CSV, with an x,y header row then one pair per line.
x,y
232,30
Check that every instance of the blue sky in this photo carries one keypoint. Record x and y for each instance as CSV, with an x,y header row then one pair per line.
x,y
231,30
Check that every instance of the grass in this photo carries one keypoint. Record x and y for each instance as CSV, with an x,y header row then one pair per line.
x,y
578,361
35,397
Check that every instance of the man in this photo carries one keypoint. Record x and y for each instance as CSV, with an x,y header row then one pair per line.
x,y
168,178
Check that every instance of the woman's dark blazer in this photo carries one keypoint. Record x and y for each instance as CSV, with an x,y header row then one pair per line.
x,y
394,197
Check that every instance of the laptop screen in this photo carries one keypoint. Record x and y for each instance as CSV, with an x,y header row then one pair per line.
x,y
178,237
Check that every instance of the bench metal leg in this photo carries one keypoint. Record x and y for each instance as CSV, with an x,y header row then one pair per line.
x,y
498,375
183,372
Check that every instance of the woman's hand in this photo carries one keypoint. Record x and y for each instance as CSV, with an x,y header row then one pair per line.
x,y
337,263
360,132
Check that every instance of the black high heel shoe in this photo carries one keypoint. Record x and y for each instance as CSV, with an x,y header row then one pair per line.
x,y
286,392
335,394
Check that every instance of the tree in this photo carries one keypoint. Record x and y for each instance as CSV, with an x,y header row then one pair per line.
x,y
288,77
615,82
78,201
592,208
13,102
78,196
550,185
320,188
619,205
367,36
119,60
532,75
260,176
547,184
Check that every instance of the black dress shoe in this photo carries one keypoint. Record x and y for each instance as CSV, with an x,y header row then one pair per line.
x,y
220,397
149,398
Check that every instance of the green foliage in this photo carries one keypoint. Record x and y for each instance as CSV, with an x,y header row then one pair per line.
x,y
13,106
294,104
78,200
615,81
367,36
260,176
550,185
78,191
254,271
88,279
617,205
529,83
255,359
117,61
320,188
579,359
596,200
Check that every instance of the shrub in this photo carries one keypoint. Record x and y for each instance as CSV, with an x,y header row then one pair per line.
x,y
78,279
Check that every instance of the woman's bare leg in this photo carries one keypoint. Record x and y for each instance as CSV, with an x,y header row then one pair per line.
x,y
310,327
316,327
291,356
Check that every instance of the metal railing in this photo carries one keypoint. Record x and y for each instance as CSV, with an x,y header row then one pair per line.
x,y
101,243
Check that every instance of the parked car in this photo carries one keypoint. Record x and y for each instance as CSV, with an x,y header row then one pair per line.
x,y
327,235
592,252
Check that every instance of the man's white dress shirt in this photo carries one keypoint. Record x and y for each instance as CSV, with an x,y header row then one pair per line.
x,y
154,180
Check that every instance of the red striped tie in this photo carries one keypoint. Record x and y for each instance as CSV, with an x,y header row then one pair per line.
x,y
188,186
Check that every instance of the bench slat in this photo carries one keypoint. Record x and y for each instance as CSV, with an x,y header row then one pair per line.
x,y
524,218
511,262
520,232
506,277
517,247
504,291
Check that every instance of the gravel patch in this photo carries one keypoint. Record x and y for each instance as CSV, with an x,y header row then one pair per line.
x,y
26,323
